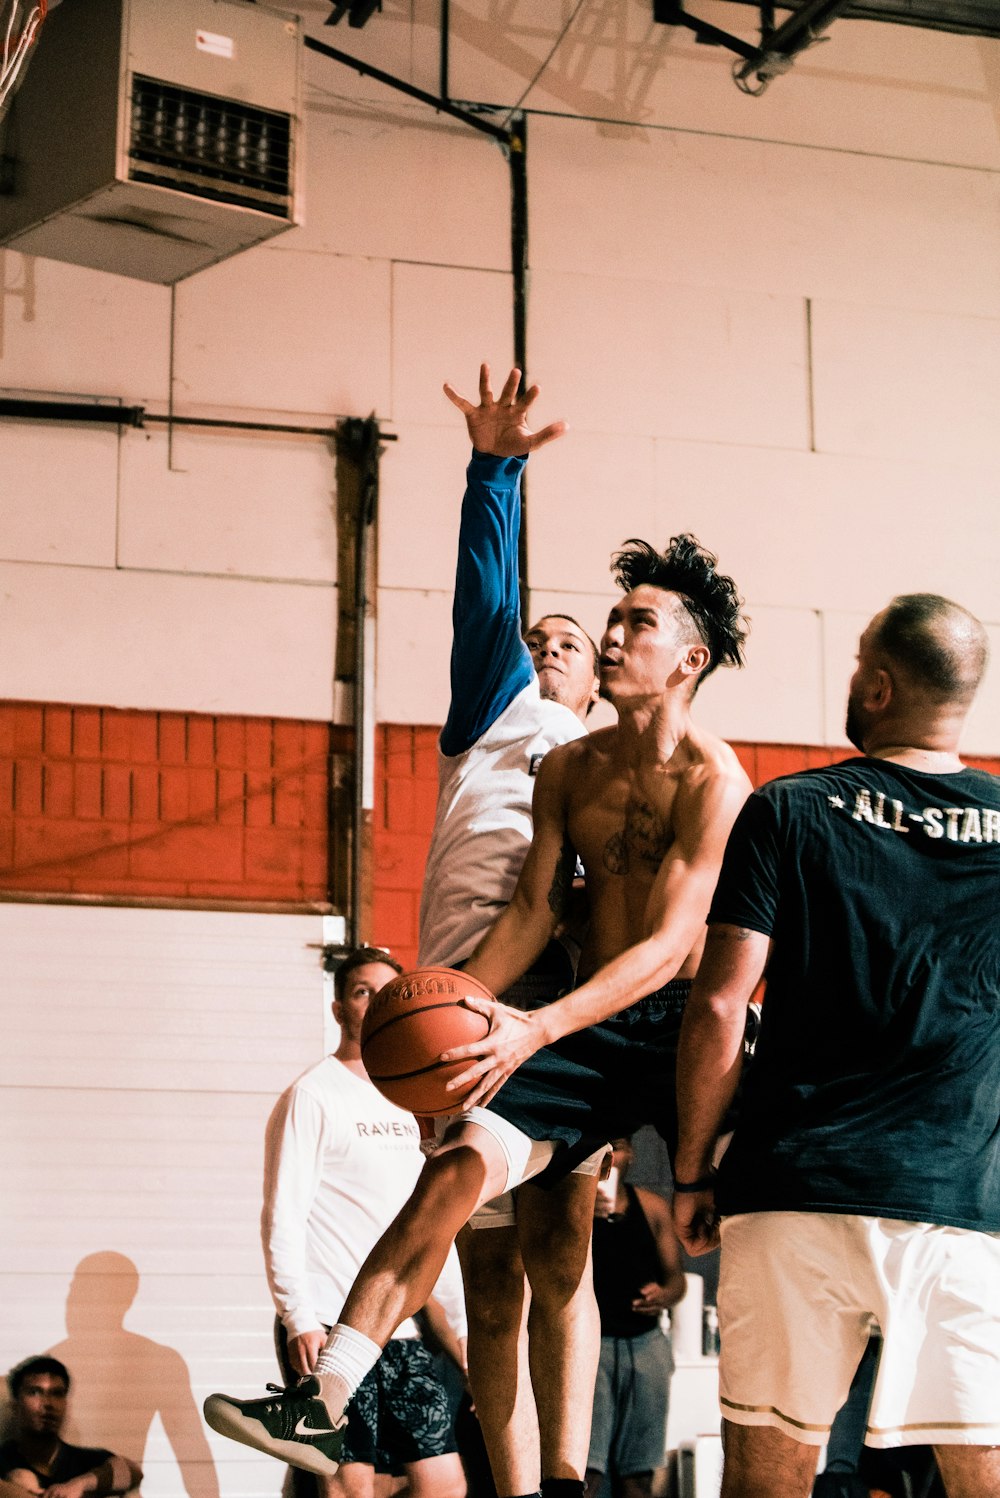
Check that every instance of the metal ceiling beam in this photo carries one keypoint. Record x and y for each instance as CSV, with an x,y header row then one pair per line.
x,y
966,17
808,20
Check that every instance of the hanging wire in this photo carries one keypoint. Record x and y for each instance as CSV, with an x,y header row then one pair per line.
x,y
551,52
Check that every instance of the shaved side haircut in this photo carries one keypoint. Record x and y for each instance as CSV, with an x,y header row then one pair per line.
x,y
709,597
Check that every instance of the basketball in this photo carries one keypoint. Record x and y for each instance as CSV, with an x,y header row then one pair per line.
x,y
408,1024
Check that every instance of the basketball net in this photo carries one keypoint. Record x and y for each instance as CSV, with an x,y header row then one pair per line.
x,y
19,26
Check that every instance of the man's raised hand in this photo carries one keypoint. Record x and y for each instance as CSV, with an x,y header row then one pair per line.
x,y
500,427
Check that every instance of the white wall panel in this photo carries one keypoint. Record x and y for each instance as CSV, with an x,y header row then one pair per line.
x,y
778,696
62,505
131,1246
702,210
587,493
230,503
820,530
140,639
909,385
445,323
653,358
412,655
82,332
388,179
293,332
421,484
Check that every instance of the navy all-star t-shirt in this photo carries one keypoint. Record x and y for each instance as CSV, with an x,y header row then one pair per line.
x,y
876,1082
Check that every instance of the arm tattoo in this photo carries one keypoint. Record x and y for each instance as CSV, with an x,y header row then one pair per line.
x,y
562,879
729,933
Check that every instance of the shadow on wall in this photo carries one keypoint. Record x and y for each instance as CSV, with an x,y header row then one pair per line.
x,y
121,1380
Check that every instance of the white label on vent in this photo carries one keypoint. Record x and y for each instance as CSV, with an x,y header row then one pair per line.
x,y
210,41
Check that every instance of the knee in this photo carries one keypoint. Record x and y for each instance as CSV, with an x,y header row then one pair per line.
x,y
443,1479
557,1263
449,1185
495,1315
556,1282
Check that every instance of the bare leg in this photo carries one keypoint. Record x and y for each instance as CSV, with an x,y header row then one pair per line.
x,y
496,1298
969,1471
436,1477
401,1270
762,1462
355,1480
564,1332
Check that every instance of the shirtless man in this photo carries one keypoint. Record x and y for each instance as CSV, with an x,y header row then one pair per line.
x,y
648,805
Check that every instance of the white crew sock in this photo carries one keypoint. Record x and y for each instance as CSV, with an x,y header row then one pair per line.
x,y
346,1357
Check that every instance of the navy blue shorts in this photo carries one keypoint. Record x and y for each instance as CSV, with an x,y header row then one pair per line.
x,y
601,1083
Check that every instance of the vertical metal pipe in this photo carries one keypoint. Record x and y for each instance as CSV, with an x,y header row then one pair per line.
x,y
444,88
517,156
367,453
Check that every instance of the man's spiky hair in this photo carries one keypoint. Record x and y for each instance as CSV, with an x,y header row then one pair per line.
x,y
709,597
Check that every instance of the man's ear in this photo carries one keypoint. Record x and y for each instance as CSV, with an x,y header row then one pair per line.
x,y
880,693
696,660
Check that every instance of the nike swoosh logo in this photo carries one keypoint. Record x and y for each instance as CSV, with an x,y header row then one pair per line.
x,y
302,1429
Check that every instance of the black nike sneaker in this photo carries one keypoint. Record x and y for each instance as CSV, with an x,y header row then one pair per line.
x,y
291,1424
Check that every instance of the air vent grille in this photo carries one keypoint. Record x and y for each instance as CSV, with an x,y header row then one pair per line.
x,y
210,147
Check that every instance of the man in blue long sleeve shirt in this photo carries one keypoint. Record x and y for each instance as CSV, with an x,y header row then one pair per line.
x,y
512,699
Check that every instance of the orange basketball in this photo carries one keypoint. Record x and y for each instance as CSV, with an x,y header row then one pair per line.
x,y
408,1024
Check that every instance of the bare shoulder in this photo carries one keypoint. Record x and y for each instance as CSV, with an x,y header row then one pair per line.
x,y
582,754
711,761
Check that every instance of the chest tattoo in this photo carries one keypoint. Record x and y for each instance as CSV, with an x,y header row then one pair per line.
x,y
643,841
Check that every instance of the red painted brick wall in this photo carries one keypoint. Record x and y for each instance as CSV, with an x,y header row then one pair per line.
x,y
406,785
99,801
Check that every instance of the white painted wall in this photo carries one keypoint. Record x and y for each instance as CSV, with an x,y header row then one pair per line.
x,y
773,321
143,1052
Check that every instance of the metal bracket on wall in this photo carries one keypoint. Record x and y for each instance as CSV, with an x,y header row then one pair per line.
x,y
779,45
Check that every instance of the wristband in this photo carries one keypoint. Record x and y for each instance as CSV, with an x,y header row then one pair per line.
x,y
703,1183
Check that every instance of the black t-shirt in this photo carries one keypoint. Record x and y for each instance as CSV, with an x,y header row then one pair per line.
x,y
625,1259
72,1461
876,1083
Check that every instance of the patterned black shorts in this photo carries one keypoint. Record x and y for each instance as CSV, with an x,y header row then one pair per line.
x,y
400,1413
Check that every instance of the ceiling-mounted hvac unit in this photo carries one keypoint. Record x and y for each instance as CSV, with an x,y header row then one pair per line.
x,y
154,137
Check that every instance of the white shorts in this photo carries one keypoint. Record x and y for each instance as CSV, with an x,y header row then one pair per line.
x,y
525,1158
798,1292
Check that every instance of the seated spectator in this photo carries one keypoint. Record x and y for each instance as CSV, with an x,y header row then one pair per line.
x,y
39,1388
637,1275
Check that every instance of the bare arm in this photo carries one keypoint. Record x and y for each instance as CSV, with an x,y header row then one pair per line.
x,y
115,1475
444,1334
541,897
709,1062
703,814
665,1292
